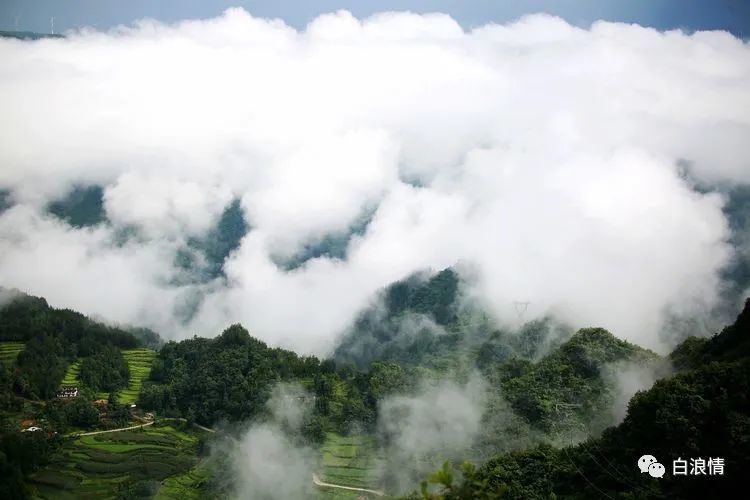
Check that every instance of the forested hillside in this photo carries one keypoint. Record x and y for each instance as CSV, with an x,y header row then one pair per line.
x,y
701,412
230,378
43,343
426,319
54,338
545,407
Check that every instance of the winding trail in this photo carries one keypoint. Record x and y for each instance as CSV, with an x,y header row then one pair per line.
x,y
151,422
207,429
318,482
180,419
114,430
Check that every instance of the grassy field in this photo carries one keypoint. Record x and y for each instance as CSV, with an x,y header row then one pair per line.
x,y
9,351
139,362
349,461
105,465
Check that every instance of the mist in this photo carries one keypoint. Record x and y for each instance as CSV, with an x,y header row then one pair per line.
x,y
546,156
267,465
627,378
267,459
441,419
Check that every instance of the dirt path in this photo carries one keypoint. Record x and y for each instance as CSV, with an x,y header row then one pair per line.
x,y
179,419
318,482
204,428
114,430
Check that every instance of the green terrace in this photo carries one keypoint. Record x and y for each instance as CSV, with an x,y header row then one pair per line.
x,y
139,363
156,458
71,375
350,461
9,352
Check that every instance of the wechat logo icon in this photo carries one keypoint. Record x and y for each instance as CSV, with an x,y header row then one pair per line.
x,y
649,463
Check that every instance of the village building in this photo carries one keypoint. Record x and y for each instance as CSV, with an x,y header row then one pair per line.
x,y
67,391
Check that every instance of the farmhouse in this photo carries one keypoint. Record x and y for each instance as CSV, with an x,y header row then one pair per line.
x,y
67,391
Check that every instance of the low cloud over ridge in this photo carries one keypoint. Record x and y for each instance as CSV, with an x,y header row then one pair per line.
x,y
547,156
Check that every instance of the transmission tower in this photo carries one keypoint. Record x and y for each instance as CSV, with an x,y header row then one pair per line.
x,y
520,308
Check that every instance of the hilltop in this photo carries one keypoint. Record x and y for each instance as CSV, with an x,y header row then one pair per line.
x,y
28,35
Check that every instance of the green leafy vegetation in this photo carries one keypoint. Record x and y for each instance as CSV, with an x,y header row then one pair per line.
x,y
105,370
228,377
231,377
566,386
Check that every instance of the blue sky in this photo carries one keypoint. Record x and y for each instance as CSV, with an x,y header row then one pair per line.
x,y
34,15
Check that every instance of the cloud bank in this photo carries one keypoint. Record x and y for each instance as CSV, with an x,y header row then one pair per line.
x,y
547,156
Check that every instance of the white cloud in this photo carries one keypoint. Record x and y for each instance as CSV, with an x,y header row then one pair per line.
x,y
547,156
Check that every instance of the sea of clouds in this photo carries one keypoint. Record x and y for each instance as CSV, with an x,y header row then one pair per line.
x,y
551,158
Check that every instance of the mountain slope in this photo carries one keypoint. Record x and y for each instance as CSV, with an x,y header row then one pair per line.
x,y
702,412
426,320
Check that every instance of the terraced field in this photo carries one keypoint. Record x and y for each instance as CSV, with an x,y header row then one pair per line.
x,y
187,486
139,362
9,351
71,376
349,461
107,465
336,494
